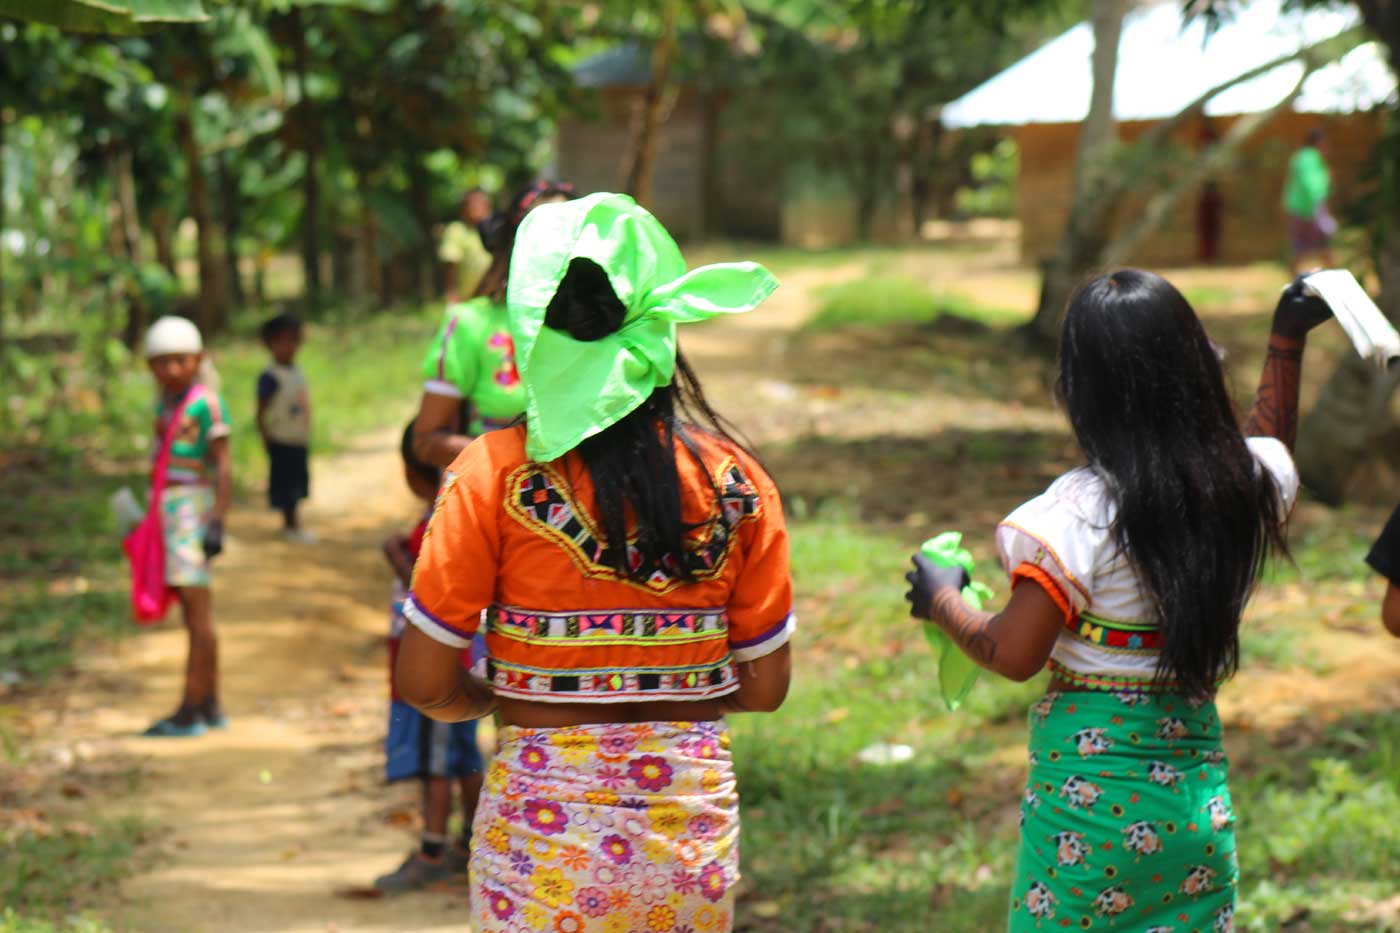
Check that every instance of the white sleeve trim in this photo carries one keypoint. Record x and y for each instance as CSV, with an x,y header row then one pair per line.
x,y
770,641
438,387
434,628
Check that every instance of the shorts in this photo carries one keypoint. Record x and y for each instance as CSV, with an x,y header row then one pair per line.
x,y
1305,235
419,747
182,513
289,478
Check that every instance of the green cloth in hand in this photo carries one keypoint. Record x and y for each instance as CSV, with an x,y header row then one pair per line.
x,y
956,671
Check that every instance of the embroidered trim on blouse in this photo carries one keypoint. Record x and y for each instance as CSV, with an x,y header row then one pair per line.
x,y
611,627
1115,636
540,499
614,686
1111,683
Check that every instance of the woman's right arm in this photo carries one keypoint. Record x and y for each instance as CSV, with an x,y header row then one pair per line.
x,y
763,683
1275,409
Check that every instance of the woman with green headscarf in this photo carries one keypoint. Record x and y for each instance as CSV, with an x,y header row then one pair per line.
x,y
629,559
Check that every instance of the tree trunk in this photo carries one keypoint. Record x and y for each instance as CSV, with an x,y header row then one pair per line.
x,y
211,305
163,232
2,223
711,184
1087,230
641,163
424,266
310,148
233,224
128,238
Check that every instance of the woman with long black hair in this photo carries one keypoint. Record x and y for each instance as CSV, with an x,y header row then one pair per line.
x,y
1129,577
631,560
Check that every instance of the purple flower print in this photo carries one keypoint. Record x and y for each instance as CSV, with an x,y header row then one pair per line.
x,y
546,816
651,772
712,882
617,849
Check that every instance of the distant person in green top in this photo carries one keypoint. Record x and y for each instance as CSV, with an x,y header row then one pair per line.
x,y
471,385
461,249
1310,224
199,487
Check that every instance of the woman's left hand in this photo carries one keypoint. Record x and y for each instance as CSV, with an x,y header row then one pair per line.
x,y
1298,311
213,538
928,578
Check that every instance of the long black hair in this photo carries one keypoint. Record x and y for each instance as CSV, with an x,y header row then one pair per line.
x,y
632,464
497,234
1197,516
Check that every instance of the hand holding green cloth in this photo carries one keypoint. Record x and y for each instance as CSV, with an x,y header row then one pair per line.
x,y
576,389
956,671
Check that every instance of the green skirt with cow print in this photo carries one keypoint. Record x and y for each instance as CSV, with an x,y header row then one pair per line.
x,y
1126,821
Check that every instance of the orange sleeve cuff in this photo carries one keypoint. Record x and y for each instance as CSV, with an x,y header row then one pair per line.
x,y
1028,571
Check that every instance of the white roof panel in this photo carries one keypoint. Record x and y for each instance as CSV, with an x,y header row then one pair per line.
x,y
1165,62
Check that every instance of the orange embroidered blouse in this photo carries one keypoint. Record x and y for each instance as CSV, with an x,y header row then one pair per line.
x,y
513,546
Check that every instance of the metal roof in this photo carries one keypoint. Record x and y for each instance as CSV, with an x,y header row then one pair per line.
x,y
1165,62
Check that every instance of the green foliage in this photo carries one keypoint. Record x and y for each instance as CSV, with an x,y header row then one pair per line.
x,y
883,300
993,189
53,874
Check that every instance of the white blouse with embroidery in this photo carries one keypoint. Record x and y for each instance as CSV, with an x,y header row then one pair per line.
x,y
1063,540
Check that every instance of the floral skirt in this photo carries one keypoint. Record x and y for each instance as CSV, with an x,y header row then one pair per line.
x,y
1126,822
610,827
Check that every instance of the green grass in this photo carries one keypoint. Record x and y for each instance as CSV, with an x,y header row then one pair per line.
x,y
833,844
47,880
12,922
878,300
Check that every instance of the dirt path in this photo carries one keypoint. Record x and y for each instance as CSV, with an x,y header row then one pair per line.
x,y
264,827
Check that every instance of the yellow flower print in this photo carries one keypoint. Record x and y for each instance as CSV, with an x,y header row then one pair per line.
x,y
602,798
575,749
551,887
617,923
498,839
656,850
535,915
496,779
711,780
706,917
668,819
724,740
661,918
542,849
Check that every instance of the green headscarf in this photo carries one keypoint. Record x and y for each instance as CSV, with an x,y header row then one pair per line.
x,y
575,389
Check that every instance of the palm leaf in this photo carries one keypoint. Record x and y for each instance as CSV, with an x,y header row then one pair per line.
x,y
110,16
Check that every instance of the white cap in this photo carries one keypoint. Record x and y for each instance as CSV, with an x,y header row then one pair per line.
x,y
173,335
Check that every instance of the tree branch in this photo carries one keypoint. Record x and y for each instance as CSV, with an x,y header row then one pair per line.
x,y
1207,164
